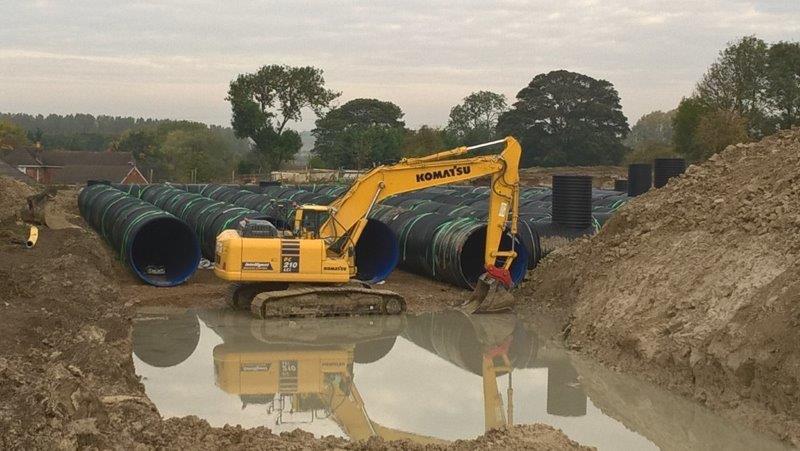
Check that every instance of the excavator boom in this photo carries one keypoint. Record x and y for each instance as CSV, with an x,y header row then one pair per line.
x,y
412,174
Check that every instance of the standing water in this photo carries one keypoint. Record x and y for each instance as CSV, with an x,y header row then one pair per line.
x,y
427,378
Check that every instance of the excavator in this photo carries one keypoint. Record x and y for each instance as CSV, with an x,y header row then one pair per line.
x,y
320,261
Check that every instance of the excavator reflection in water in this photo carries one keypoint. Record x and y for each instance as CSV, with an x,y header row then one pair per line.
x,y
302,371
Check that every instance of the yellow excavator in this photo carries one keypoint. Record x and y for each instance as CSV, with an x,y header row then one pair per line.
x,y
264,263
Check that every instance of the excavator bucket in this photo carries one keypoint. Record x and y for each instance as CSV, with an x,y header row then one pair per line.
x,y
490,296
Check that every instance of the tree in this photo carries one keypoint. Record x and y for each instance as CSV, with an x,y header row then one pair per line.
x,y
360,133
687,118
649,151
475,119
783,82
12,136
425,141
198,151
717,130
566,118
264,102
145,142
737,82
35,136
652,129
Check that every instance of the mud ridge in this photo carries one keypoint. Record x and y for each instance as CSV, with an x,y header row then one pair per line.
x,y
697,286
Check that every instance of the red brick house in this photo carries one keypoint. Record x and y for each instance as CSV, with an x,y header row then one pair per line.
x,y
68,167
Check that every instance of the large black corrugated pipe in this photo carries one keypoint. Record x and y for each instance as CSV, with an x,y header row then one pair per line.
x,y
572,201
160,248
377,252
207,217
666,168
450,249
640,179
528,236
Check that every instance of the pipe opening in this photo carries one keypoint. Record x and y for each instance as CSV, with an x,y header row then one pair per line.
x,y
471,260
377,252
164,252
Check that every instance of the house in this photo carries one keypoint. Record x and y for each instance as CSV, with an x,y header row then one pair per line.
x,y
68,167
6,170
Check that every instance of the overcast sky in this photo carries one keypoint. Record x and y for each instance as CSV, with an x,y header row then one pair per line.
x,y
174,59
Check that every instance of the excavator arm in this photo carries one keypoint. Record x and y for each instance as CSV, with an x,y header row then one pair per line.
x,y
349,212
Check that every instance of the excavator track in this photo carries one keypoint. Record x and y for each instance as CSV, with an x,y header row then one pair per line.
x,y
326,301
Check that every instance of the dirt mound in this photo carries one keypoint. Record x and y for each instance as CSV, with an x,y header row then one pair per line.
x,y
698,285
12,198
67,379
530,436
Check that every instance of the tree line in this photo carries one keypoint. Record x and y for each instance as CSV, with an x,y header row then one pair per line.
x,y
750,91
173,149
560,118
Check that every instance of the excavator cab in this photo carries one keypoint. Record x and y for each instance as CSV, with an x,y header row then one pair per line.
x,y
308,219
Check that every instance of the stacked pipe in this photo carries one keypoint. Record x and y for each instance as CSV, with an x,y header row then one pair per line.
x,y
211,209
157,246
444,247
451,250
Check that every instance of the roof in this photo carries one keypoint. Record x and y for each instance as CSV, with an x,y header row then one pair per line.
x,y
19,157
6,170
85,158
81,174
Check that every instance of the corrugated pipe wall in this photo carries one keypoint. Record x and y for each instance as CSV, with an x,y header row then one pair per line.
x,y
158,247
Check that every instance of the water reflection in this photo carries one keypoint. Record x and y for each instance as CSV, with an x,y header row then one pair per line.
x,y
420,377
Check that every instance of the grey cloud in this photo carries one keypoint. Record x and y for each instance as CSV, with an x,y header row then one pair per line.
x,y
178,57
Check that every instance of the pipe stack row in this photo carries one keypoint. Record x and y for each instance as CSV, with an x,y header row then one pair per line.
x,y
438,232
442,247
211,209
158,247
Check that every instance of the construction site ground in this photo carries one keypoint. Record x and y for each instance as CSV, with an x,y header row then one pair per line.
x,y
67,378
692,287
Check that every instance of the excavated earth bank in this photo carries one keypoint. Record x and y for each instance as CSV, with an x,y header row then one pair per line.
x,y
66,375
697,286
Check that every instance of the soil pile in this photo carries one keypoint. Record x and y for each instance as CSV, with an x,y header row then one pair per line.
x,y
13,198
697,285
67,379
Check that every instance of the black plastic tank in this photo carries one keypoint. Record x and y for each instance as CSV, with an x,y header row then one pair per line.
x,y
640,179
666,168
572,201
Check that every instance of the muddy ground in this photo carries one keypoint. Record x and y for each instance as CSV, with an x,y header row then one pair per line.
x,y
696,286
67,379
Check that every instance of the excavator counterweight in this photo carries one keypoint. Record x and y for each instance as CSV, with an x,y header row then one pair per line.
x,y
322,258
